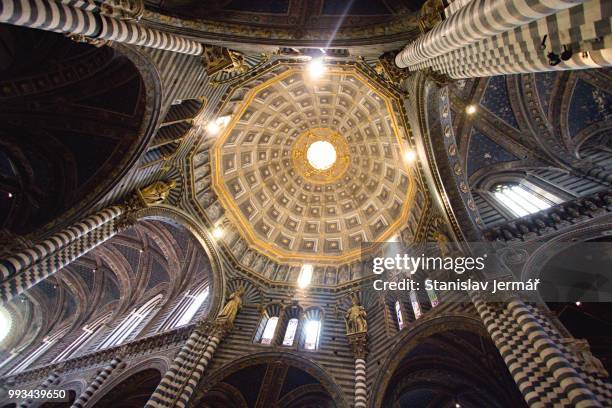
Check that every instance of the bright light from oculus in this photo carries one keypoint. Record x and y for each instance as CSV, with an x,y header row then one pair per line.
x,y
316,68
321,155
5,324
217,233
410,156
470,109
215,126
305,276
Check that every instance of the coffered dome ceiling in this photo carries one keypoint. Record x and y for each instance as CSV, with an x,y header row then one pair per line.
x,y
296,204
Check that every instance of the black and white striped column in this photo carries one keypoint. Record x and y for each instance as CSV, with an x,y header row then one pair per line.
x,y
177,385
579,394
361,392
52,379
52,15
500,332
28,267
97,382
198,372
478,20
492,37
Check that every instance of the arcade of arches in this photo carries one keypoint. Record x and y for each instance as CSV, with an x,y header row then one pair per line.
x,y
191,198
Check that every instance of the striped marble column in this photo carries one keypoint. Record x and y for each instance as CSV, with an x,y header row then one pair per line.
x,y
579,394
51,380
173,383
478,20
97,382
361,392
492,37
29,266
503,333
359,345
198,372
52,15
535,363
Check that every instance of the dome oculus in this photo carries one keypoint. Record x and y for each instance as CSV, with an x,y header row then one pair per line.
x,y
321,155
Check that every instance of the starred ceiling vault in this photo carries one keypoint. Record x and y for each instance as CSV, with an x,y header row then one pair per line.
x,y
281,204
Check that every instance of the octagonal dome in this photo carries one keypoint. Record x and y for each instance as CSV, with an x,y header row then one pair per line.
x,y
283,205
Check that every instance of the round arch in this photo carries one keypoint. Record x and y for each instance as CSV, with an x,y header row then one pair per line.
x,y
410,340
174,215
92,140
291,360
150,366
536,260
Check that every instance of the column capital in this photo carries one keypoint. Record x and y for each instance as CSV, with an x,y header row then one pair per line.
x,y
359,344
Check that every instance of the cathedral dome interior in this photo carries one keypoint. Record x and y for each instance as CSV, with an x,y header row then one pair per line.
x,y
299,204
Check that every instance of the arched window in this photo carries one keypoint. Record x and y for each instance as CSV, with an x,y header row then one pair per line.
x,y
433,297
523,198
187,307
312,329
39,351
289,325
399,315
89,331
266,330
130,323
270,329
292,326
416,306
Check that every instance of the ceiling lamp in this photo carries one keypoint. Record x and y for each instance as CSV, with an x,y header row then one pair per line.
x,y
321,155
305,276
316,68
410,156
217,233
470,109
215,126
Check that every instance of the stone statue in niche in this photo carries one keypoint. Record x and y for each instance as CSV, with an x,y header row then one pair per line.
x,y
201,158
357,269
247,258
343,274
207,198
214,211
269,270
232,307
156,193
203,184
330,276
258,265
205,169
356,317
239,247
